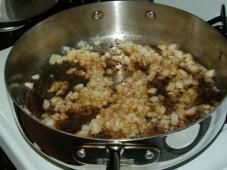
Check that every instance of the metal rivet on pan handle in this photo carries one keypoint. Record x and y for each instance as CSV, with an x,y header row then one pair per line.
x,y
97,15
150,14
81,153
149,155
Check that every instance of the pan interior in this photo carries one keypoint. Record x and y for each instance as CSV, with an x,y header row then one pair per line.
x,y
121,20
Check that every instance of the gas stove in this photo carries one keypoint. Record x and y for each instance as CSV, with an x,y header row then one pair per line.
x,y
24,157
10,32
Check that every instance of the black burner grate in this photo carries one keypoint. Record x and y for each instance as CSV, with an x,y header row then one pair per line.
x,y
9,34
220,22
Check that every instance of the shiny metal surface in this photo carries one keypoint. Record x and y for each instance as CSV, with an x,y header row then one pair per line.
x,y
81,153
17,10
150,14
138,154
149,155
125,21
97,15
7,29
114,158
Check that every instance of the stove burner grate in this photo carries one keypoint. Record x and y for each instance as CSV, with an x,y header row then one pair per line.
x,y
10,32
220,22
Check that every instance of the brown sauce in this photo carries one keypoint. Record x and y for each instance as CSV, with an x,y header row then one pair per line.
x,y
75,120
141,67
206,94
34,98
157,50
111,64
161,85
109,135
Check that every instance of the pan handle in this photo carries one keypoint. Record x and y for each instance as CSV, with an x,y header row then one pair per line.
x,y
113,162
203,127
113,155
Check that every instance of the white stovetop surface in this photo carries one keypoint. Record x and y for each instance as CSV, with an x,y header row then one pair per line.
x,y
25,158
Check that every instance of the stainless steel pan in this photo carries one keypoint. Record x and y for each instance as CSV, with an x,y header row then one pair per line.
x,y
141,22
